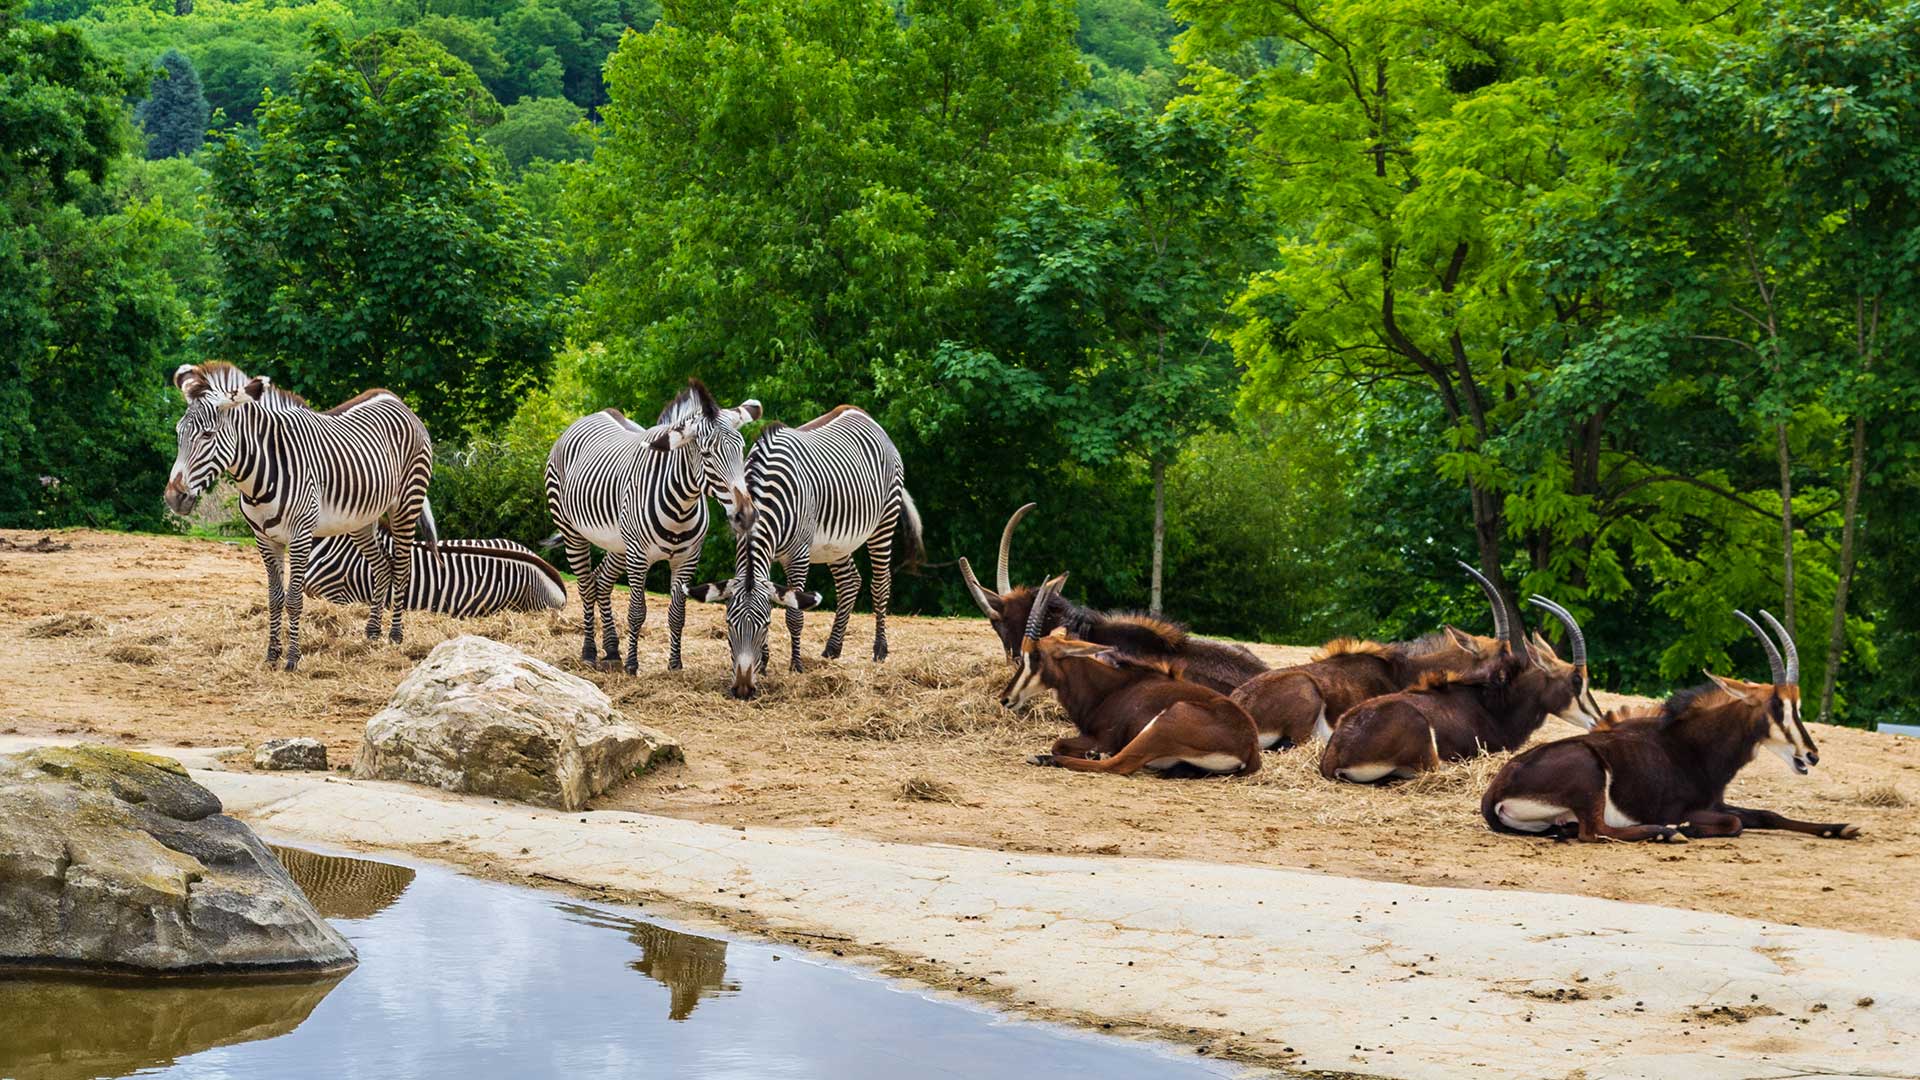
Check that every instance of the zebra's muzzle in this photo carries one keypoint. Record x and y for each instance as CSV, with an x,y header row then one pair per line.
x,y
179,499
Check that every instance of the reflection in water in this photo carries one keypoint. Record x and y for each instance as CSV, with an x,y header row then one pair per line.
x,y
72,1030
689,966
344,888
461,979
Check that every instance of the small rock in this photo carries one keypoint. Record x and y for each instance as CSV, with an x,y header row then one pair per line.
x,y
300,753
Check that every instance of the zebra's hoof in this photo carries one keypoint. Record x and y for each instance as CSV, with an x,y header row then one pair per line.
x,y
879,653
674,664
373,631
273,657
797,666
633,664
831,652
293,660
395,637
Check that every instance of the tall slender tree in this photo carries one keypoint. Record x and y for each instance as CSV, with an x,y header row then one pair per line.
x,y
175,114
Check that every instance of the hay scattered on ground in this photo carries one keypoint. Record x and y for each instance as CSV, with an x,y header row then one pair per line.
x,y
1882,795
56,626
138,655
927,789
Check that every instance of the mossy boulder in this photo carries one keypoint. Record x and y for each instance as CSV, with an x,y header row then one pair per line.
x,y
116,861
485,718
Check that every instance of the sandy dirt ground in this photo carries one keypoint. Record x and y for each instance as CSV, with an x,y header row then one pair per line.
x,y
158,640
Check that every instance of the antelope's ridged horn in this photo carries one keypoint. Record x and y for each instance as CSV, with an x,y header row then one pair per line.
x,y
1502,629
1566,618
1786,645
1037,618
1773,654
1000,579
973,586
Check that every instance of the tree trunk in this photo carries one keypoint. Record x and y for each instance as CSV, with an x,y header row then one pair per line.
x,y
1159,532
1836,637
1786,525
183,7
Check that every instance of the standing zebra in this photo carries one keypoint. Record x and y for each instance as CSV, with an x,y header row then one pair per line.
x,y
820,491
303,474
464,578
641,494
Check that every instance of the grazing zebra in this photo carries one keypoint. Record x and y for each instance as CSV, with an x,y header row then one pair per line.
x,y
641,494
302,474
820,491
465,578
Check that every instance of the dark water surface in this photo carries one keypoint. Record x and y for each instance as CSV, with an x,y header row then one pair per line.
x,y
466,979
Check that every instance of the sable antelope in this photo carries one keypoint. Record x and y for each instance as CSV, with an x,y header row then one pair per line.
x,y
1303,702
1217,665
1666,778
1132,712
1451,716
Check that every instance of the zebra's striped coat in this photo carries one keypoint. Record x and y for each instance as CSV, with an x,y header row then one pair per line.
x,y
820,492
464,578
303,474
641,495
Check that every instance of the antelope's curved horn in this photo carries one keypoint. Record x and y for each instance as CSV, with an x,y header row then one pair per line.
x,y
1786,646
1773,654
1000,579
973,587
1502,628
1566,618
1037,618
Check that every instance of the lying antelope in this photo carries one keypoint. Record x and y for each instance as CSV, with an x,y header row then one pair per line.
x,y
1131,712
1293,705
1667,778
1218,665
1494,707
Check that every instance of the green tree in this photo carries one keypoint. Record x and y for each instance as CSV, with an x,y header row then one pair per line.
x,y
367,242
176,113
541,129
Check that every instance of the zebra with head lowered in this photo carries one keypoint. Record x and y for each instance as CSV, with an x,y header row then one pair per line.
x,y
641,494
463,578
819,492
302,474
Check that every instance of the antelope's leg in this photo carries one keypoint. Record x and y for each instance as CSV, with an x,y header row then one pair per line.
x,y
1767,819
272,552
1182,732
1705,823
1594,827
1078,746
846,589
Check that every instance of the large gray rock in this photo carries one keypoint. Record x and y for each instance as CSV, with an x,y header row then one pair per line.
x,y
480,717
112,860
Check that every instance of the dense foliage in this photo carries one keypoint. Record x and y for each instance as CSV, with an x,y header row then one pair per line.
x,y
1607,298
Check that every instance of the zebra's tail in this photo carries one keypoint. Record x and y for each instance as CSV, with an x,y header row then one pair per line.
x,y
429,533
914,539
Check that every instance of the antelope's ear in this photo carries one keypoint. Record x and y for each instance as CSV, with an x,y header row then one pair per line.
x,y
1732,688
711,592
673,438
1461,638
743,414
1110,658
1539,643
1058,632
798,599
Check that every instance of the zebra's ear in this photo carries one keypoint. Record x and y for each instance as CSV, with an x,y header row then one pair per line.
x,y
180,374
673,438
799,599
746,413
711,592
255,389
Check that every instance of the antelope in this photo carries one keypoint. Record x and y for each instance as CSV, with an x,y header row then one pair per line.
x,y
1451,716
1666,779
1293,705
1132,712
1217,665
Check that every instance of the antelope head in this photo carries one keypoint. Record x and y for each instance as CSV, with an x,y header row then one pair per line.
x,y
1778,702
1027,680
1007,608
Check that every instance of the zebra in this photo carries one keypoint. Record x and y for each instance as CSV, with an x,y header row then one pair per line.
x,y
466,578
819,492
641,494
302,474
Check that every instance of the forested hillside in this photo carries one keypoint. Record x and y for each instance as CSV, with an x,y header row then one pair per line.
x,y
1610,300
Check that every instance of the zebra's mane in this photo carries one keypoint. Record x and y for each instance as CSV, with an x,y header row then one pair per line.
x,y
683,405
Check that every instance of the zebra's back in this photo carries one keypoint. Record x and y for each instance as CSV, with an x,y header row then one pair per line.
x,y
466,578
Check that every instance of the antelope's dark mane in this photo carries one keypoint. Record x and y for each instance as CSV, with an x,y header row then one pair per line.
x,y
1425,645
1347,646
695,395
1137,633
1496,671
1704,696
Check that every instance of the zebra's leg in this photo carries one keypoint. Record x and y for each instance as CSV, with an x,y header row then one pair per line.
x,y
271,553
400,579
846,590
796,619
580,561
299,552
679,579
637,566
612,568
880,559
367,542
